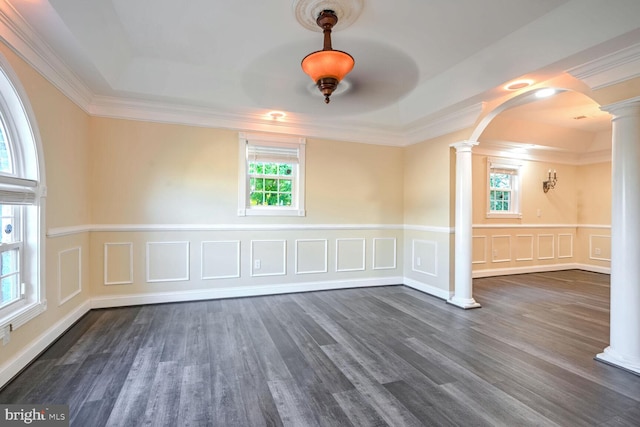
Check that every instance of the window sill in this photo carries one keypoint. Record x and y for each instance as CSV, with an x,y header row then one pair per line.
x,y
271,212
504,215
20,317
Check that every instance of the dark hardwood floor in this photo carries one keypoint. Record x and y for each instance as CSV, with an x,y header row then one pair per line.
x,y
363,357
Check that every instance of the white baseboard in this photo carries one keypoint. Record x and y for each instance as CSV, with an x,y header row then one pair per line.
x,y
427,289
539,269
12,367
238,292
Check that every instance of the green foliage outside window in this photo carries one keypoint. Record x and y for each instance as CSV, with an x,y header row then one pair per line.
x,y
500,193
270,184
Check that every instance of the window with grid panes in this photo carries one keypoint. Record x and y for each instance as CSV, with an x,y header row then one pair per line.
x,y
21,287
503,188
271,175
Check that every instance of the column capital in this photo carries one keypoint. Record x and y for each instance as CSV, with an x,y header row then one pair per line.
x,y
464,145
628,106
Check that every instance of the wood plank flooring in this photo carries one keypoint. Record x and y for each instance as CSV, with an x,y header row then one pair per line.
x,y
363,357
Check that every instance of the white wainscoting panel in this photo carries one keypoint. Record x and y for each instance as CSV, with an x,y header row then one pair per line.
x,y
384,253
546,246
524,247
118,263
268,258
425,257
350,255
600,247
565,245
501,248
69,274
312,256
479,249
220,259
167,261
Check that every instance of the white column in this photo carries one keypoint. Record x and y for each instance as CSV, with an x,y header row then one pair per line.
x,y
624,341
463,293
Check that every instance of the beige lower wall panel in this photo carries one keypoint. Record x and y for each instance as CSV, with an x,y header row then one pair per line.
x,y
526,248
588,239
220,259
281,253
350,254
69,274
385,253
118,263
434,249
312,256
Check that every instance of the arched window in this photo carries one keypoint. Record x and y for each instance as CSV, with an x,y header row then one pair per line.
x,y
21,207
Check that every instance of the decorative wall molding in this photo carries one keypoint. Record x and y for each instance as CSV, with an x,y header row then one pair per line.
x,y
232,256
551,246
62,277
128,281
484,249
563,237
529,257
325,250
417,263
495,252
481,226
259,263
610,69
592,249
393,264
36,52
442,124
155,267
96,228
429,229
340,260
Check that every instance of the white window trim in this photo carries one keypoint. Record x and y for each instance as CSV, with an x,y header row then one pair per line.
x,y
22,129
244,208
516,165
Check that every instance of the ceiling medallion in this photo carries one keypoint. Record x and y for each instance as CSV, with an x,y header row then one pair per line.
x,y
307,11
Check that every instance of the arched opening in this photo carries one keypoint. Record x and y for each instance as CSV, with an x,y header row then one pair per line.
x,y
542,186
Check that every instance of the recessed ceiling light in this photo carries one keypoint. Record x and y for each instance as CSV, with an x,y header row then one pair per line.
x,y
518,84
276,115
546,92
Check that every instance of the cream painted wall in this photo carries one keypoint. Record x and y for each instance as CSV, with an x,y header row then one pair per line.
x,y
558,206
594,194
350,183
428,181
150,173
63,129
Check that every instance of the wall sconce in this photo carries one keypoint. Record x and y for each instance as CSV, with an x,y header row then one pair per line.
x,y
550,183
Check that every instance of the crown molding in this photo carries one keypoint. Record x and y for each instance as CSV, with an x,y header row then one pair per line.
x,y
27,44
442,123
505,150
610,69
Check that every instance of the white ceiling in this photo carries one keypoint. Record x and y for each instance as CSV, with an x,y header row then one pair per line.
x,y
237,60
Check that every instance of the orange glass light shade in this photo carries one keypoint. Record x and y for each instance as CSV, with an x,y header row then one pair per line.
x,y
327,64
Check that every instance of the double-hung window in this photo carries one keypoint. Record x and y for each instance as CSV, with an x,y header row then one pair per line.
x,y
21,192
504,188
271,175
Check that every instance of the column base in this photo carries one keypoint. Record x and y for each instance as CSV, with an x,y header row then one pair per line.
x,y
610,357
465,303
